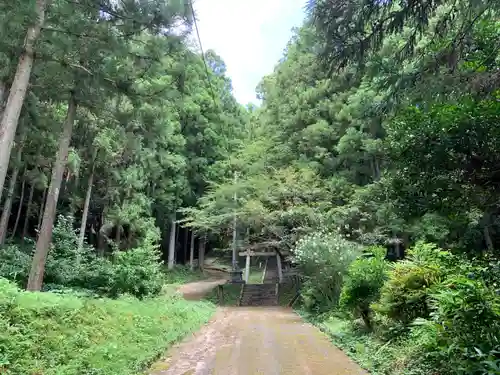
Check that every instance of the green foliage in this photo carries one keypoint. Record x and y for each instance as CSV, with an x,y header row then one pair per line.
x,y
402,142
362,286
450,315
136,272
398,356
182,275
405,295
14,264
466,318
53,334
324,258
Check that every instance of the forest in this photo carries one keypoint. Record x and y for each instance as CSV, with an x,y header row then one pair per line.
x,y
372,157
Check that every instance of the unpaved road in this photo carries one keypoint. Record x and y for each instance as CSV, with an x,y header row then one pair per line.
x,y
256,341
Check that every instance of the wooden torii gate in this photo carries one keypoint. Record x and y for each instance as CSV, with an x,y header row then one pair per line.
x,y
250,253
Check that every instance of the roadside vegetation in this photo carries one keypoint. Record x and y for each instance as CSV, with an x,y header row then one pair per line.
x,y
433,313
111,121
69,333
372,158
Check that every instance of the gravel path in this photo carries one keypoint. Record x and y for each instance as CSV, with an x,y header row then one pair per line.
x,y
256,341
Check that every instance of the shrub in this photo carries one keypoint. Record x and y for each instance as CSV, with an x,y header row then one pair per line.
x,y
466,316
405,295
137,271
366,277
439,314
324,259
65,261
182,274
15,264
51,334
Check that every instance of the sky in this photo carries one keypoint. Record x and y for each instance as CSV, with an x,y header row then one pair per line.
x,y
249,36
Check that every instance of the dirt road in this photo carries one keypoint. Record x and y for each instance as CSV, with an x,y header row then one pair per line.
x,y
257,341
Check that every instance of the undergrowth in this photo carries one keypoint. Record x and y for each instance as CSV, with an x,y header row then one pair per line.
x,y
434,313
55,334
182,275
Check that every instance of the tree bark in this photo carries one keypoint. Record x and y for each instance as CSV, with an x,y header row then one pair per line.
x,y
185,245
2,97
40,211
201,252
74,191
17,94
171,246
19,209
118,237
28,212
86,207
191,252
376,163
35,279
7,207
487,238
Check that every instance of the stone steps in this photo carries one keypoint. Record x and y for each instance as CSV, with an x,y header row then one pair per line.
x,y
259,295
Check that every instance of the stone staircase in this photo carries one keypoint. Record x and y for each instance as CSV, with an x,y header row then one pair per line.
x,y
271,275
259,295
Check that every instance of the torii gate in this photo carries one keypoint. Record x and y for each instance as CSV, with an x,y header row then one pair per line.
x,y
251,253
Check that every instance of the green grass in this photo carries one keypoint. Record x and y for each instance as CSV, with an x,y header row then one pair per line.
x,y
182,275
378,356
286,292
255,276
65,334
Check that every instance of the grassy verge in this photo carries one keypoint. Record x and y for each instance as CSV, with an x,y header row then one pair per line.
x,y
378,356
182,275
286,293
53,334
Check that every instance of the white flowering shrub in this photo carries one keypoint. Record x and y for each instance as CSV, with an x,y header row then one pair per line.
x,y
324,258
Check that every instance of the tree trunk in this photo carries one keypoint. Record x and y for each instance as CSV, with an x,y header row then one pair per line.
x,y
365,315
40,211
118,237
130,238
74,192
376,163
201,252
185,245
2,97
10,118
35,279
86,208
191,252
171,246
19,209
487,238
4,221
28,212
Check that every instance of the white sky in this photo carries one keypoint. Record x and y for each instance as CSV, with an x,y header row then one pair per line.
x,y
250,37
